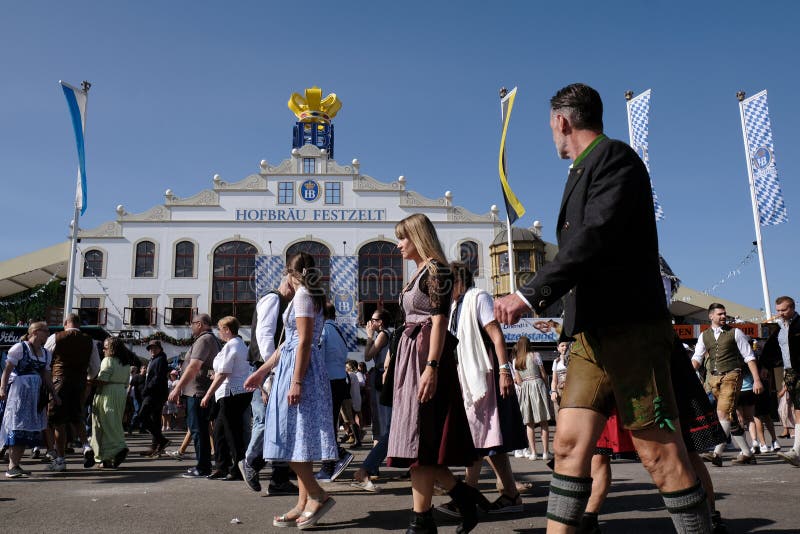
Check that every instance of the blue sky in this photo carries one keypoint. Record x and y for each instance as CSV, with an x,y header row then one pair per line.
x,y
185,90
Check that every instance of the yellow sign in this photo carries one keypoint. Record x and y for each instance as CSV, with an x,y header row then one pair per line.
x,y
314,108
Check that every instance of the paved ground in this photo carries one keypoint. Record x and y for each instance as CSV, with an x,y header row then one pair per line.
x,y
147,495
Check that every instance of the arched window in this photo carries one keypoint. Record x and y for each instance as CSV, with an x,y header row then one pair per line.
x,y
468,253
380,279
93,264
322,260
233,287
145,262
184,259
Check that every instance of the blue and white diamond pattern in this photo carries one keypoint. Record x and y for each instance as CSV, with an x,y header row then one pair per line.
x,y
344,279
638,124
349,330
268,272
758,132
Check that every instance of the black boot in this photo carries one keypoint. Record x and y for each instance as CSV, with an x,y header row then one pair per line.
x,y
422,523
468,499
717,525
588,524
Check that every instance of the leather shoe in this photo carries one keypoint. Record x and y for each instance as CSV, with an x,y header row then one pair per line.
x,y
216,474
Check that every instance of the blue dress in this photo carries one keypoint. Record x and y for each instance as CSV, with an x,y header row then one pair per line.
x,y
23,422
304,432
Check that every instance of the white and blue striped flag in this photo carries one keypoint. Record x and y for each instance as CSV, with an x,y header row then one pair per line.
x,y
638,124
76,100
761,160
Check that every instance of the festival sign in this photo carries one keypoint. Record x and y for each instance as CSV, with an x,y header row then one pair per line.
x,y
537,330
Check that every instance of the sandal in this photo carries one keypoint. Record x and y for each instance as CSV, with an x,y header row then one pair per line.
x,y
286,521
524,486
309,519
505,504
365,485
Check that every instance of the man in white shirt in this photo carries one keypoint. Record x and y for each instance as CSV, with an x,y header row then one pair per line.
x,y
725,351
783,347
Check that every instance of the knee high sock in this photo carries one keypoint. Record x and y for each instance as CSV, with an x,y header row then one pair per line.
x,y
741,442
726,426
568,498
796,445
689,510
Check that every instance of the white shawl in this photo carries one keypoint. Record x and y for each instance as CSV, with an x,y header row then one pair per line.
x,y
474,364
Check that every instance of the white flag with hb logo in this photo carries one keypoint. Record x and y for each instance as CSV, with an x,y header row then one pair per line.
x,y
761,160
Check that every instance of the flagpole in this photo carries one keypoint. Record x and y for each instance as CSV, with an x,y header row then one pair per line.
x,y
628,97
512,280
748,158
73,251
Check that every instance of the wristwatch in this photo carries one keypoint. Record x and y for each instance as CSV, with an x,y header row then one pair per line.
x,y
506,365
434,364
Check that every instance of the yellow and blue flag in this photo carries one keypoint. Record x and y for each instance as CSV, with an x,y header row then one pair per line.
x,y
514,208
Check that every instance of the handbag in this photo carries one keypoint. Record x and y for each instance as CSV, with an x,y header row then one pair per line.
x,y
387,391
44,397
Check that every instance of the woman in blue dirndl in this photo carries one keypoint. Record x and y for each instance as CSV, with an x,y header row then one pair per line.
x,y
27,368
298,425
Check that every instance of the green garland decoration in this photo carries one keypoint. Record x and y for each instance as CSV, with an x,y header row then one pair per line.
x,y
161,336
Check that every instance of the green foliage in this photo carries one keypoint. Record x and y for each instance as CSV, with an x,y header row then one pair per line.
x,y
32,304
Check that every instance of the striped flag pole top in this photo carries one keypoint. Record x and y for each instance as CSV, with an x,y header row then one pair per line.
x,y
76,100
638,129
765,190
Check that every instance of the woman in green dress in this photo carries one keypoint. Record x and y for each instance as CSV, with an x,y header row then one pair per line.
x,y
108,407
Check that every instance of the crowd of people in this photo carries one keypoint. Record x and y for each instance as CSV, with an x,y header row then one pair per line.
x,y
444,391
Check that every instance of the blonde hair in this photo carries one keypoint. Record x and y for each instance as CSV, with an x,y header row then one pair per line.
x,y
420,230
521,350
231,323
33,327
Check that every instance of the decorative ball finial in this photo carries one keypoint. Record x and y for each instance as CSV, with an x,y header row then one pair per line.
x,y
263,164
217,179
120,210
295,152
168,193
356,163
